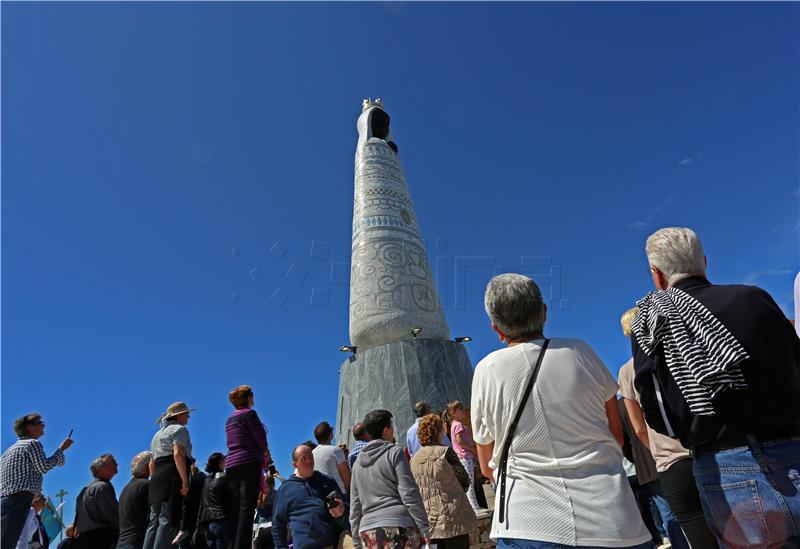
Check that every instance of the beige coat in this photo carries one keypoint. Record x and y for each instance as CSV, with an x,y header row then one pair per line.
x,y
449,511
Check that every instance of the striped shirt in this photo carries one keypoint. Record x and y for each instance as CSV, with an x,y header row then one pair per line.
x,y
23,464
246,437
701,353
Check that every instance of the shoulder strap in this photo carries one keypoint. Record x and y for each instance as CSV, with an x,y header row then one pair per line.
x,y
512,430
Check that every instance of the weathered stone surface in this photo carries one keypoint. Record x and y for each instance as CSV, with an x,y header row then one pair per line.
x,y
391,287
396,375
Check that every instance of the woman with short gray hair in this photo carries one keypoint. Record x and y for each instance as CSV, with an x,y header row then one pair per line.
x,y
548,431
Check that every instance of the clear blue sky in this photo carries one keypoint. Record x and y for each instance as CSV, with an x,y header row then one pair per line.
x,y
177,186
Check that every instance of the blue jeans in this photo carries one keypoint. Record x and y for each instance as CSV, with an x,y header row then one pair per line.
x,y
751,494
671,524
510,543
217,534
159,529
13,512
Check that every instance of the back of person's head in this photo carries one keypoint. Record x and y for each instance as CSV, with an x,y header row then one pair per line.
x,y
140,465
421,409
323,432
626,319
514,304
453,406
214,463
21,424
376,421
240,396
359,431
430,430
310,443
677,252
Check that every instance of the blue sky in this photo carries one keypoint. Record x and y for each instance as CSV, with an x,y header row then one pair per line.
x,y
177,186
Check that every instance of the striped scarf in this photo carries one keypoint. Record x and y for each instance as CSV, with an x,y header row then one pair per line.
x,y
701,353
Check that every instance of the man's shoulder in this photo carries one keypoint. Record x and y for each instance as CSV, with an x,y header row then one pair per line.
x,y
322,478
728,290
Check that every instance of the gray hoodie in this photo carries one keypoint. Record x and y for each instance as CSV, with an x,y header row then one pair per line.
x,y
383,493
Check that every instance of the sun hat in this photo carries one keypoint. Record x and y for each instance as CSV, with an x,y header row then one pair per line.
x,y
175,409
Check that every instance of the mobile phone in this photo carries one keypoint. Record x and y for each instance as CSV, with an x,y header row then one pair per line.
x,y
70,433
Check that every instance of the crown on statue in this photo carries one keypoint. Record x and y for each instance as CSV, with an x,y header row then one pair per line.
x,y
368,103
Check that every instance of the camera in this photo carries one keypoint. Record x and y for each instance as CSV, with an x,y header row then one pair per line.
x,y
330,499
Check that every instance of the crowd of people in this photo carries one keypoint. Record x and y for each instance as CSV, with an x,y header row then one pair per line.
x,y
697,441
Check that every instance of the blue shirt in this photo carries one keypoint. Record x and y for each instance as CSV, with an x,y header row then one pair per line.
x,y
412,440
351,459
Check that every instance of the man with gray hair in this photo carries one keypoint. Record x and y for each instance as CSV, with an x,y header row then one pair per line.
x,y
718,366
134,509
96,509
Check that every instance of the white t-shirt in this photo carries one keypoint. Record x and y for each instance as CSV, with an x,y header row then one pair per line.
x,y
565,479
326,459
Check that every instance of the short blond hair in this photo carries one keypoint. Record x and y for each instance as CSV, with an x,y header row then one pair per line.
x,y
626,319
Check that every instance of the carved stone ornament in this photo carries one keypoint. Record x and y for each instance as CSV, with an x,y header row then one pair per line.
x,y
391,286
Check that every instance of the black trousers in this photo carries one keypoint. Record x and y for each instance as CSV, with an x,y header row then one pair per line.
x,y
243,483
643,503
679,488
99,538
456,542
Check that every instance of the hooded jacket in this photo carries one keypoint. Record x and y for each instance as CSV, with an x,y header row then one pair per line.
x,y
383,493
300,506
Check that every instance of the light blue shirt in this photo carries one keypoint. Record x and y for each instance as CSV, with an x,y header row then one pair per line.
x,y
412,440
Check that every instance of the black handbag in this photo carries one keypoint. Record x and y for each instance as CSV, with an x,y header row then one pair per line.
x,y
510,436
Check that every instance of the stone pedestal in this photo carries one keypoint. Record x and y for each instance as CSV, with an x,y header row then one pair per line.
x,y
396,375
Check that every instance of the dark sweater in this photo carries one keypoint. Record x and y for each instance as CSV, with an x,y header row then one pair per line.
x,y
771,404
300,506
97,507
133,512
246,438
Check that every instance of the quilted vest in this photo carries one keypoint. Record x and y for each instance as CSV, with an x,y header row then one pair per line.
x,y
449,511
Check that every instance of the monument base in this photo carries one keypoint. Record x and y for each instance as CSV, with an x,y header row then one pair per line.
x,y
396,375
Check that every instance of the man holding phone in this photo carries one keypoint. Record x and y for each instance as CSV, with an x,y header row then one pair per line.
x,y
22,466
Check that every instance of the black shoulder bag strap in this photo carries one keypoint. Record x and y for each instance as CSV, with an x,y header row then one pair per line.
x,y
512,429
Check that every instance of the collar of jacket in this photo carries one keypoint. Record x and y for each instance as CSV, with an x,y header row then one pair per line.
x,y
691,282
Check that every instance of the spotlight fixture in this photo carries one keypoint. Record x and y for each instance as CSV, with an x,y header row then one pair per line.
x,y
465,339
348,349
415,332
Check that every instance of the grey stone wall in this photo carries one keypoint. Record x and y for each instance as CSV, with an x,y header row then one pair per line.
x,y
396,375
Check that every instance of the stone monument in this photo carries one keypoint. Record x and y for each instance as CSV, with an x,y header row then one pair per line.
x,y
402,351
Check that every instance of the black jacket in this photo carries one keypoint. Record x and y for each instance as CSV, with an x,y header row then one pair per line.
x,y
214,499
772,402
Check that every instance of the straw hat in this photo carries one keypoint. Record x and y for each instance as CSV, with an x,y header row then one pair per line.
x,y
176,409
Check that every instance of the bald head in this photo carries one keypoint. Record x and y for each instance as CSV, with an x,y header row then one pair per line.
x,y
303,461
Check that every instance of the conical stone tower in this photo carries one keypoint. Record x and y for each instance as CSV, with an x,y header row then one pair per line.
x,y
403,351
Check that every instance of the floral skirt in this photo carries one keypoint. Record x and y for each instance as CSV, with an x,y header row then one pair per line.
x,y
391,538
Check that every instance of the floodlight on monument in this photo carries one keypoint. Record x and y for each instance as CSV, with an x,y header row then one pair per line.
x,y
348,349
465,339
415,332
